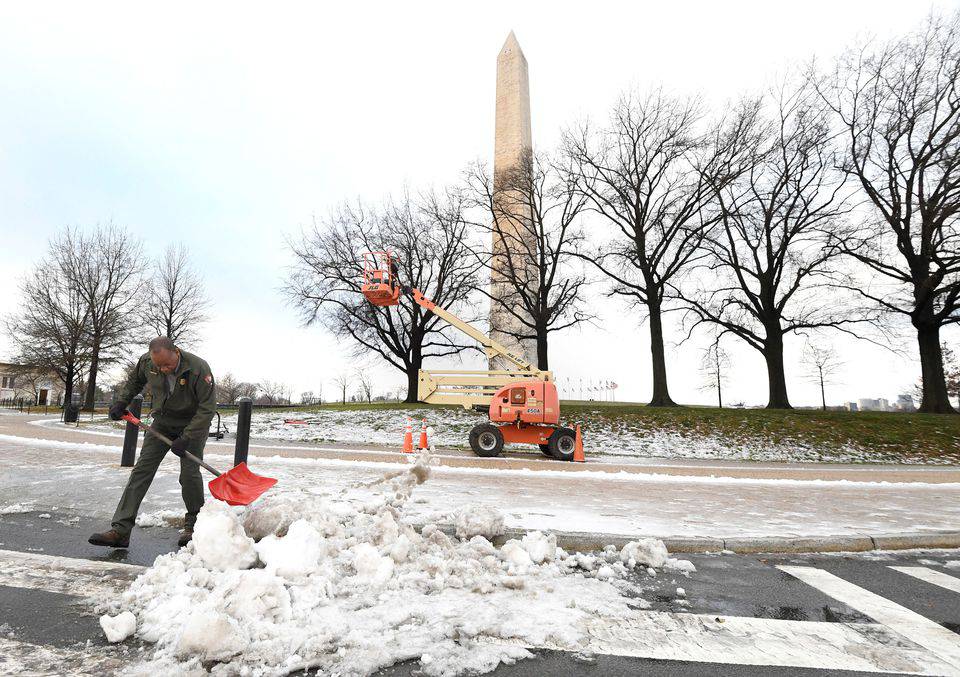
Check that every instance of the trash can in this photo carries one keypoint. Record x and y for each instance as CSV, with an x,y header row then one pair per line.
x,y
71,412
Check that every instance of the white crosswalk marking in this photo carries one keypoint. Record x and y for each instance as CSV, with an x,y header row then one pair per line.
x,y
928,634
24,658
931,576
65,575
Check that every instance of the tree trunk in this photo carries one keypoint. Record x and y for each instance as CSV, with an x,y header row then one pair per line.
x,y
542,361
68,386
413,374
935,399
661,395
92,378
823,393
719,391
776,375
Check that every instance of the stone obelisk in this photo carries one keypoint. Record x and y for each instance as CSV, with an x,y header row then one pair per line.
x,y
513,147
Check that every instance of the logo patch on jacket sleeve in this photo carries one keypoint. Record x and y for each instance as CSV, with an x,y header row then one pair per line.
x,y
183,381
208,378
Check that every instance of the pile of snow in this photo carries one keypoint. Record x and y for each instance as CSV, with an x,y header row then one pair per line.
x,y
478,520
344,585
118,628
160,518
15,508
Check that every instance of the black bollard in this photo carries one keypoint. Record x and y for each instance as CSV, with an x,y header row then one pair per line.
x,y
242,447
131,434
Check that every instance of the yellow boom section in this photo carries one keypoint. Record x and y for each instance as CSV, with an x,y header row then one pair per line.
x,y
469,388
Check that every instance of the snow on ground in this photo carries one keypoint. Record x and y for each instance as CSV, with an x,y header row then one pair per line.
x,y
615,440
345,585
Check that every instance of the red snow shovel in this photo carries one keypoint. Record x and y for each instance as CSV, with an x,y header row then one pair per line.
x,y
237,486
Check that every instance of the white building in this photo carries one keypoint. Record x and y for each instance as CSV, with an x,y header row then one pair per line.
x,y
870,404
20,382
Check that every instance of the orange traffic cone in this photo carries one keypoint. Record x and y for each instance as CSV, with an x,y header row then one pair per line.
x,y
408,438
578,456
423,436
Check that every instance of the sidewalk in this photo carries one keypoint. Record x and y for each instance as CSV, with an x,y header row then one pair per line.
x,y
694,506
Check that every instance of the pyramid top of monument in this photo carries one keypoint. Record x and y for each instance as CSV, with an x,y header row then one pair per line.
x,y
510,47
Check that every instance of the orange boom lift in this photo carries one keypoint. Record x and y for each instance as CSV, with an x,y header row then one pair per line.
x,y
522,402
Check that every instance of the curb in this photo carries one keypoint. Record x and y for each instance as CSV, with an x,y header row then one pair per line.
x,y
584,542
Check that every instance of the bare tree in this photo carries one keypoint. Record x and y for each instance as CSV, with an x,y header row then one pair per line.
x,y
176,300
431,243
823,363
106,266
529,215
899,109
51,329
769,262
273,392
646,173
230,389
342,382
366,384
713,366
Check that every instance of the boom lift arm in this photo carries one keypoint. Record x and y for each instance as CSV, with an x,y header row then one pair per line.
x,y
470,389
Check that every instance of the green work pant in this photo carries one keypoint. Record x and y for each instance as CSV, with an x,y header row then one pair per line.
x,y
151,453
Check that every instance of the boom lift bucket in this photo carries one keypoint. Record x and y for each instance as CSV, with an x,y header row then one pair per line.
x,y
380,285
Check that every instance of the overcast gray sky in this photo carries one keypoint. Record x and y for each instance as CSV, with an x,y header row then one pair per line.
x,y
227,126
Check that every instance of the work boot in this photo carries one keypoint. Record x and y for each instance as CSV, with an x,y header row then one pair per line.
x,y
185,537
111,539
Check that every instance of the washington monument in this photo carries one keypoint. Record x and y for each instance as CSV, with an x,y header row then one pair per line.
x,y
513,147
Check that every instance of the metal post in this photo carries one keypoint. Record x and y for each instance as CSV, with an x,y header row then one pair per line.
x,y
242,447
131,434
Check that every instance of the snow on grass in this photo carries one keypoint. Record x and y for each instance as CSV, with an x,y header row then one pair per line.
x,y
628,436
691,434
346,586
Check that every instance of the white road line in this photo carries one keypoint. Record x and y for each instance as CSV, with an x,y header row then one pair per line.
x,y
928,634
733,640
23,658
931,576
65,575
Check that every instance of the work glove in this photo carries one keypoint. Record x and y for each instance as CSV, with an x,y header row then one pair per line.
x,y
179,446
117,410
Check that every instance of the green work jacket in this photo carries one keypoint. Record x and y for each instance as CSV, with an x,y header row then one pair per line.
x,y
191,405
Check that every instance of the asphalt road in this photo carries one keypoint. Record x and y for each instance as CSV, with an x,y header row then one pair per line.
x,y
725,585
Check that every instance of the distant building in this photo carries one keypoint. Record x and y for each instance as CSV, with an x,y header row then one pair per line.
x,y
905,403
34,386
852,406
870,404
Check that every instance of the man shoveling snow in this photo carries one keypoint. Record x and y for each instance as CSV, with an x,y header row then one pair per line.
x,y
184,404
342,584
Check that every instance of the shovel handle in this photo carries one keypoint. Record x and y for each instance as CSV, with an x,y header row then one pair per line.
x,y
130,418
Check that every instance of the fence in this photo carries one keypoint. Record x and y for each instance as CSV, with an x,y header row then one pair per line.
x,y
28,406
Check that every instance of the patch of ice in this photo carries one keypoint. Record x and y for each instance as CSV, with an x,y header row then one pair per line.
x,y
648,552
118,628
45,516
295,554
160,518
478,520
952,564
684,566
15,508
541,548
219,539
